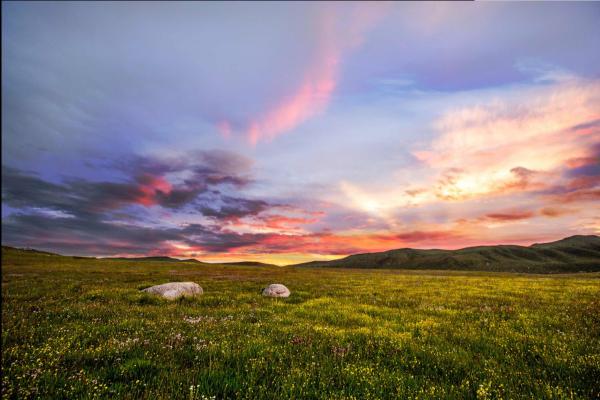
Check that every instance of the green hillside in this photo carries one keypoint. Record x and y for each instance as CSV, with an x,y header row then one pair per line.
x,y
572,254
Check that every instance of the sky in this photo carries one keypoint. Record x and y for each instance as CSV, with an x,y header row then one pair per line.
x,y
289,132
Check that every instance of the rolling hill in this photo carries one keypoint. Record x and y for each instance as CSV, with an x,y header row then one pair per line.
x,y
249,264
573,254
154,258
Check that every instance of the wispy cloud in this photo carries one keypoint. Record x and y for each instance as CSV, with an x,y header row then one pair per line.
x,y
337,33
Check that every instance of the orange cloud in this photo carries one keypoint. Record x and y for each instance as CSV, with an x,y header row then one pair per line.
x,y
510,216
271,223
556,211
536,132
508,145
284,222
522,145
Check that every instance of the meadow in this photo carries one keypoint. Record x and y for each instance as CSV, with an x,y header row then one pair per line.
x,y
80,328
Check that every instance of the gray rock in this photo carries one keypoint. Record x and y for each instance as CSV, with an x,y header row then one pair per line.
x,y
175,290
276,290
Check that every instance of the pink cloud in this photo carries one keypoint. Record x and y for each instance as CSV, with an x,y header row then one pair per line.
x,y
148,188
335,37
310,99
513,144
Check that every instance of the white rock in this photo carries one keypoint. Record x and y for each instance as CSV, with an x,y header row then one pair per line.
x,y
174,290
276,290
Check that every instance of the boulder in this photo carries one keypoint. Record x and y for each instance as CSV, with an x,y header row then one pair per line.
x,y
276,290
175,290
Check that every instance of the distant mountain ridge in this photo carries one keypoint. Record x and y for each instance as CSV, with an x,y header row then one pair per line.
x,y
154,258
147,258
578,253
29,250
250,264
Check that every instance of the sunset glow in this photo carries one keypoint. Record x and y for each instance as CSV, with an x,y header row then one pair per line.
x,y
294,132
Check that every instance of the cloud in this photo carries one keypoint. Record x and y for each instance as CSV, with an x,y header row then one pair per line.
x,y
286,222
583,195
589,165
427,236
510,216
515,140
147,184
243,215
538,120
580,181
79,216
554,212
82,217
79,236
337,32
233,208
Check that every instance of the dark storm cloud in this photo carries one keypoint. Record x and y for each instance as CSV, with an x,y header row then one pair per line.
x,y
217,240
213,164
82,234
146,185
204,170
75,197
20,190
234,207
77,216
78,236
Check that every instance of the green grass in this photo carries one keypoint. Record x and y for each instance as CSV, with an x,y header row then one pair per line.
x,y
80,328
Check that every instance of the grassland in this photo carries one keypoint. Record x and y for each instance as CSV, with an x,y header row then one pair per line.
x,y
80,328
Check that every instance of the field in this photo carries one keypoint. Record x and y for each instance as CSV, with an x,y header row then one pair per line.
x,y
80,328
